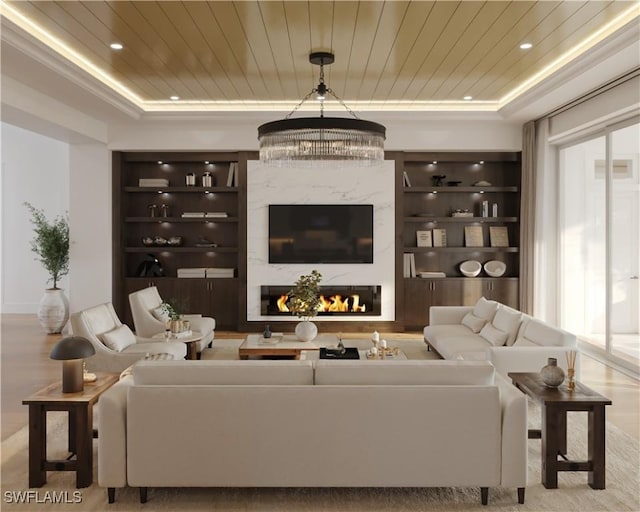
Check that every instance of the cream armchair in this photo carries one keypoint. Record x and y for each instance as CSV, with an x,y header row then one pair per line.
x,y
145,301
116,346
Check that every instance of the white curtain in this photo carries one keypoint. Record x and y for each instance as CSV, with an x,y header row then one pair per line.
x,y
545,235
527,217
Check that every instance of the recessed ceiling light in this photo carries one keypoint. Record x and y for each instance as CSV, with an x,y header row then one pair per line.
x,y
206,162
467,98
526,46
116,46
160,162
434,162
481,162
174,98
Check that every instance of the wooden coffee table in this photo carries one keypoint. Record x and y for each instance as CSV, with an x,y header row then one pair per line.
x,y
80,408
555,403
287,346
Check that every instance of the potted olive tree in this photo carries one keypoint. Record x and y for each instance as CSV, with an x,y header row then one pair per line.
x,y
51,244
304,302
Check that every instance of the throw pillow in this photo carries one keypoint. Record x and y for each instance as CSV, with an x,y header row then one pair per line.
x,y
507,320
494,336
524,342
119,338
473,322
160,314
485,309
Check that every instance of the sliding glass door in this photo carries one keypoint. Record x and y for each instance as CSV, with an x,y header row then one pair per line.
x,y
599,241
625,231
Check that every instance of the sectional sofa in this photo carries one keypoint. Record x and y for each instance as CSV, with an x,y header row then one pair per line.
x,y
312,424
510,340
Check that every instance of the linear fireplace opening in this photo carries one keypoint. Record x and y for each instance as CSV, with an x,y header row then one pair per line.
x,y
337,300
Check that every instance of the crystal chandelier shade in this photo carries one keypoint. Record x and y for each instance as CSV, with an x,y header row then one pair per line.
x,y
313,140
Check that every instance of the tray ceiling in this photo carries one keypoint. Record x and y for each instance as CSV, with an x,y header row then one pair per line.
x,y
255,54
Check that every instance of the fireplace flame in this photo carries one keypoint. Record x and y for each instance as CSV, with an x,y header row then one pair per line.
x,y
334,303
282,304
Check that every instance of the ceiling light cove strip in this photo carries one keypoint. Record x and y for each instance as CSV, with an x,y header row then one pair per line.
x,y
280,106
36,31
583,46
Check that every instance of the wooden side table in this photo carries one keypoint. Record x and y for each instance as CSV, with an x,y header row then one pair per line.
x,y
555,403
190,341
80,409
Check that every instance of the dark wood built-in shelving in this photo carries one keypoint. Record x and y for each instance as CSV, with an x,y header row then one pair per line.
x,y
426,207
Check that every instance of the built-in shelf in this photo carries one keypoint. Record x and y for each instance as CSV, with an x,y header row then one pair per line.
x,y
201,190
181,249
445,190
461,249
181,219
422,220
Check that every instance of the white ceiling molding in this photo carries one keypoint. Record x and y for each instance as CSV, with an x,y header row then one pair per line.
x,y
30,109
608,59
18,38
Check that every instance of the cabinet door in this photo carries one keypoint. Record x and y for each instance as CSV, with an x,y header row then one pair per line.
x,y
223,305
446,292
417,298
504,291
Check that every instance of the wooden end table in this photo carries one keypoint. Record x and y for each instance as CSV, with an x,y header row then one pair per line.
x,y
190,341
80,408
555,403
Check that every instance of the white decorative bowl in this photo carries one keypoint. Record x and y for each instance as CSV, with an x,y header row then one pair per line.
x,y
495,268
470,268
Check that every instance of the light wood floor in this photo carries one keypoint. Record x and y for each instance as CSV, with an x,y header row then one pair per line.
x,y
26,367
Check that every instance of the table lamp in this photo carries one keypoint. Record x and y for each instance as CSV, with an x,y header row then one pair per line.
x,y
71,351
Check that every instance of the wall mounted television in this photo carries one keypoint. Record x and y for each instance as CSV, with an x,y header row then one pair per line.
x,y
320,233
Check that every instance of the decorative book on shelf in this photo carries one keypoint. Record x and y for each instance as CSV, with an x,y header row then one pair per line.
x,y
473,236
423,238
232,176
499,236
439,237
409,268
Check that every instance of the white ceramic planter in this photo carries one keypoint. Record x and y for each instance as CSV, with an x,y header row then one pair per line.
x,y
53,311
306,331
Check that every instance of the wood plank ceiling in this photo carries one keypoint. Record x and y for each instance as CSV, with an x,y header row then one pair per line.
x,y
250,51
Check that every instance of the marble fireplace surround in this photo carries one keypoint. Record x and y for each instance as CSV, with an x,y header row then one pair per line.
x,y
334,184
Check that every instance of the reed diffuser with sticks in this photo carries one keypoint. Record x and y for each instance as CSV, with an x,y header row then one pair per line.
x,y
571,369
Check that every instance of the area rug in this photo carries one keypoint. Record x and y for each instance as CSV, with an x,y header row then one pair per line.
x,y
573,494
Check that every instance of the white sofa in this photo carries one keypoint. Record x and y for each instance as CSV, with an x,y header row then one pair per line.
x,y
116,346
510,340
312,424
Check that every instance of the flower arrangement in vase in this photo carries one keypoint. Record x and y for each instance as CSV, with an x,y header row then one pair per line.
x,y
304,302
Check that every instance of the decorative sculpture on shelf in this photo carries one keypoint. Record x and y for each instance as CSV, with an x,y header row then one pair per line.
x,y
438,180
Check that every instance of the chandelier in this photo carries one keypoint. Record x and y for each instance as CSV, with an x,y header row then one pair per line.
x,y
295,141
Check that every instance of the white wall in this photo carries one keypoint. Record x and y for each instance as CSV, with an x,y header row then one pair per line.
x,y
34,169
473,132
90,225
271,185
